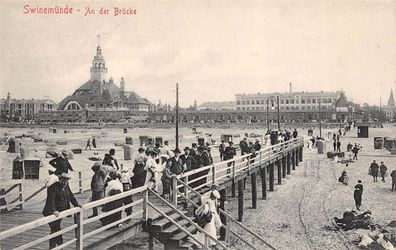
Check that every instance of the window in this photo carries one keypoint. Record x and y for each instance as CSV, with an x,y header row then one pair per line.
x,y
243,102
282,101
257,101
262,101
238,102
287,101
313,100
248,102
292,101
302,100
308,100
297,101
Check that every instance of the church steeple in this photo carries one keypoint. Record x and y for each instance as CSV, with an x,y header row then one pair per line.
x,y
98,68
391,100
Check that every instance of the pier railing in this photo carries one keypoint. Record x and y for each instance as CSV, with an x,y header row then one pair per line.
x,y
228,170
16,200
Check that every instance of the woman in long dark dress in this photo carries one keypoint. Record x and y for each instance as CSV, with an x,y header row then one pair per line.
x,y
139,177
114,187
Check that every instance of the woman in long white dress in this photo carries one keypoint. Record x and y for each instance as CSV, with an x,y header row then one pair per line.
x,y
208,210
151,168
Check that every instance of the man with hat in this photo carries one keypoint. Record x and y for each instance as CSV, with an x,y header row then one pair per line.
x,y
189,160
59,197
109,160
383,170
61,163
175,164
374,168
98,184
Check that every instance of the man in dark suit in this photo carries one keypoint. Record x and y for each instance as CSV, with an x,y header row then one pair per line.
x,y
59,197
61,163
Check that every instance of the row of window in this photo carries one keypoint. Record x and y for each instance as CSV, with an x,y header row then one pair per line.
x,y
286,101
282,108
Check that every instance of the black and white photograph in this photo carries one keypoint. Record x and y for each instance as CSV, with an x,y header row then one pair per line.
x,y
181,125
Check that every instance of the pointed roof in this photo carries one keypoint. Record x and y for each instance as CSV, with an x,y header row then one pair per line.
x,y
134,98
391,100
342,101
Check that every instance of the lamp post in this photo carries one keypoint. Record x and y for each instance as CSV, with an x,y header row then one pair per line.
x,y
277,99
320,121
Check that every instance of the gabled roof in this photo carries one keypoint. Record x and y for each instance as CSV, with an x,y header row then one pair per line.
x,y
85,86
342,101
134,98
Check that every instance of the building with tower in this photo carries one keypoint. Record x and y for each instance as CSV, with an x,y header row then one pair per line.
x,y
390,108
99,99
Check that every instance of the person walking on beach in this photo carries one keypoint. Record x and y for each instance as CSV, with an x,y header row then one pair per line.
x,y
88,144
357,194
355,151
93,142
334,146
59,197
393,175
374,170
61,163
338,146
383,170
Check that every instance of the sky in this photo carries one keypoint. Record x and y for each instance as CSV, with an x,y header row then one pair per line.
x,y
213,49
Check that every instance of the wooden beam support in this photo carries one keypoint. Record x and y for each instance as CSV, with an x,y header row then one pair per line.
x,y
240,200
279,173
254,190
284,167
294,160
263,173
288,163
223,218
271,177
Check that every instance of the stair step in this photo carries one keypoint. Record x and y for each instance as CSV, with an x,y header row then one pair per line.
x,y
187,245
173,228
159,225
181,235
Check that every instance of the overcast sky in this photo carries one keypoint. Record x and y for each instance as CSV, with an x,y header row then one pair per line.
x,y
214,49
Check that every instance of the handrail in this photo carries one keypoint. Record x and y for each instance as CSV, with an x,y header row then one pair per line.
x,y
184,217
229,217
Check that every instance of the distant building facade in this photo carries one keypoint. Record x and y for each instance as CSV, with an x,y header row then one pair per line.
x,y
390,108
24,109
217,106
99,100
293,107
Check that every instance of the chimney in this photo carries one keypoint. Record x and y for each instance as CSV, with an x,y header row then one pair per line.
x,y
122,88
290,87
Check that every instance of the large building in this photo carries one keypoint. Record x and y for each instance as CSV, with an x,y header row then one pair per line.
x,y
19,110
99,100
293,107
217,106
390,108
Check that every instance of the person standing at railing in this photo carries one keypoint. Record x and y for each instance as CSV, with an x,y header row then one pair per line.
x,y
151,168
97,185
295,133
230,152
139,173
61,163
127,185
222,148
243,144
52,177
114,187
59,197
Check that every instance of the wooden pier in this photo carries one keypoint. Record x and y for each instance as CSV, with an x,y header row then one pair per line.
x,y
28,229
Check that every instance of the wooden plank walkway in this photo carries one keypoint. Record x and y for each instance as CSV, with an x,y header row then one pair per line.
x,y
32,213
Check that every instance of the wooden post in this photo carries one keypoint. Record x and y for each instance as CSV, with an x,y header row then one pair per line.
x,y
233,180
279,174
80,188
223,218
301,153
283,166
145,206
271,177
294,160
79,219
240,200
263,173
254,189
297,156
174,191
288,162
151,241
213,174
20,196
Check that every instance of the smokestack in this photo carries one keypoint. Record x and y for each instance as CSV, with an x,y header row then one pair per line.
x,y
290,87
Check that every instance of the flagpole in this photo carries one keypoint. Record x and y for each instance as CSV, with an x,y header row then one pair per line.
x,y
177,115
